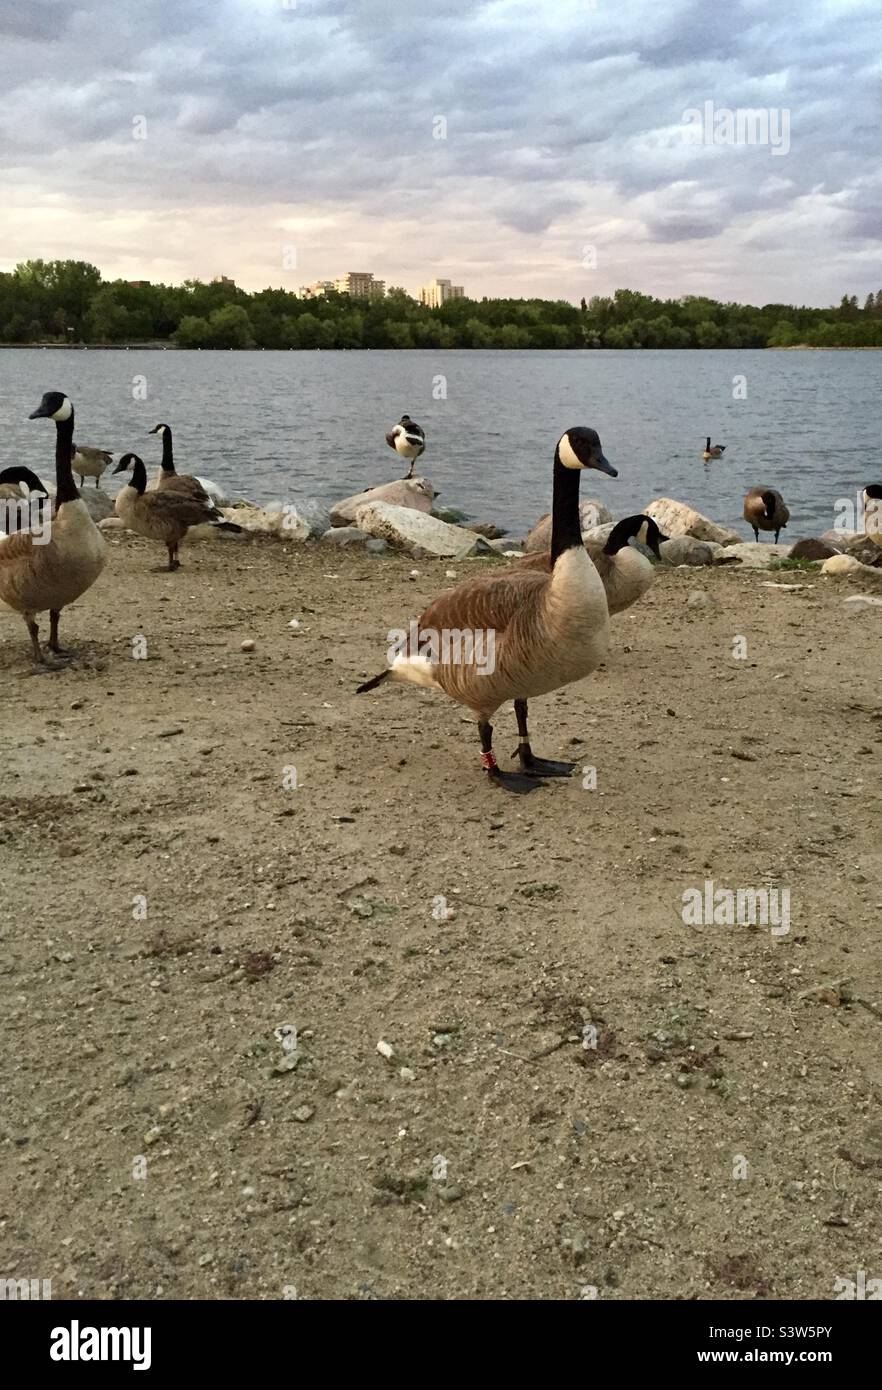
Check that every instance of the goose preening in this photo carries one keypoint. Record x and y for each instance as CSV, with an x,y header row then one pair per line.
x,y
625,572
37,572
765,510
531,632
19,510
168,474
167,513
88,462
408,440
713,451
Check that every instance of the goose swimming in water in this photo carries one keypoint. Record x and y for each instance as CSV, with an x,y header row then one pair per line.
x,y
408,440
39,572
713,451
531,632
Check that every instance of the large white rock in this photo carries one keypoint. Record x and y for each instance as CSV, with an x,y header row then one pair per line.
x,y
591,513
679,519
282,521
416,493
407,529
756,556
686,550
849,564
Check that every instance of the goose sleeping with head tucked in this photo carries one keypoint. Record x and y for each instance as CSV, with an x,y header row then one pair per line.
x,y
519,634
24,500
625,572
51,566
408,440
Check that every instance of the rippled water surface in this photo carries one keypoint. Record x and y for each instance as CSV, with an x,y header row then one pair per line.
x,y
289,425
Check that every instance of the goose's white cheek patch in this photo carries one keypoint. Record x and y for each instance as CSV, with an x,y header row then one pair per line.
x,y
64,411
567,455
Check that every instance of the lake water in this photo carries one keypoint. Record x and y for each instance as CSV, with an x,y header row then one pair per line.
x,y
295,425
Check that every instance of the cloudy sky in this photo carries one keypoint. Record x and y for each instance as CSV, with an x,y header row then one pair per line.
x,y
566,168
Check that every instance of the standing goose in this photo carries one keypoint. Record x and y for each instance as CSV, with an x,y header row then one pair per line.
x,y
167,513
765,510
872,512
713,451
168,475
88,462
537,631
625,572
36,573
408,440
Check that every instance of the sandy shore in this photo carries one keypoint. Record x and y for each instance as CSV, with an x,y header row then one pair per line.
x,y
158,1140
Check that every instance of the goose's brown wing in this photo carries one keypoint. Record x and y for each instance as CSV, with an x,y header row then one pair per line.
x,y
179,506
483,604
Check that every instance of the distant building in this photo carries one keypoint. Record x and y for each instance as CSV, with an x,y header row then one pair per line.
x,y
223,280
360,284
438,293
316,290
138,284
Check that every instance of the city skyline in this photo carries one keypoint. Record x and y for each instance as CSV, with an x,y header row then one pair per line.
x,y
541,153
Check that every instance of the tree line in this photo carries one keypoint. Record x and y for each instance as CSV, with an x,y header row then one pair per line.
x,y
68,301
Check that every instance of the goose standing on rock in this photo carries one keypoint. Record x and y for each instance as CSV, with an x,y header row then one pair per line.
x,y
167,513
625,572
88,462
168,474
408,440
537,631
37,572
713,451
765,510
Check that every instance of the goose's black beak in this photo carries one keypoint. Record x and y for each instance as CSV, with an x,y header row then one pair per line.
x,y
659,541
121,468
602,462
41,413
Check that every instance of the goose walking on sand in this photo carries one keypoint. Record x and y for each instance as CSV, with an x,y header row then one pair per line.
x,y
530,632
40,571
765,510
408,440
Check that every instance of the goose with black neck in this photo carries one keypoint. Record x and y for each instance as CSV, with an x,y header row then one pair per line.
x,y
536,631
40,571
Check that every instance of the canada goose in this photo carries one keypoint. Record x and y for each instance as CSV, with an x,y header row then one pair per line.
x,y
165,514
39,572
764,510
872,512
20,510
168,474
408,440
625,572
537,631
713,451
88,462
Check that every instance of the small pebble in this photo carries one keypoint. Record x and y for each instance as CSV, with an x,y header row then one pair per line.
x,y
248,645
385,1049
